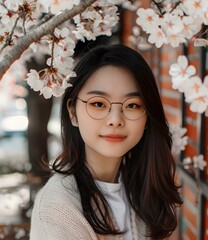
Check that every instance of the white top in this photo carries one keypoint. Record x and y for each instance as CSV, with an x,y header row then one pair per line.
x,y
116,198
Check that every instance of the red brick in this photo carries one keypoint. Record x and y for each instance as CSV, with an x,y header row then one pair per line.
x,y
191,131
190,150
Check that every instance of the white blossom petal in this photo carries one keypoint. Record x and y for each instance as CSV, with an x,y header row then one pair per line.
x,y
47,92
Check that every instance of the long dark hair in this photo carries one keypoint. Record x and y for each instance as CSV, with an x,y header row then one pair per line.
x,y
149,169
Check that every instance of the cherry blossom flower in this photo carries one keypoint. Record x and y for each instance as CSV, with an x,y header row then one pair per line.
x,y
199,104
33,80
187,162
175,39
196,93
147,19
49,91
178,138
181,72
61,33
172,24
157,37
7,17
64,65
190,26
199,162
63,44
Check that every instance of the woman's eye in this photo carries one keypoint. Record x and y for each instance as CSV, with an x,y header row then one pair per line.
x,y
99,104
133,105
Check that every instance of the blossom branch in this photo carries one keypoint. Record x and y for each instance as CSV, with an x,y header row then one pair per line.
x,y
202,32
9,39
23,25
52,51
24,42
45,19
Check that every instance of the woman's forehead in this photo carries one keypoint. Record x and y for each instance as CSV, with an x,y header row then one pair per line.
x,y
111,80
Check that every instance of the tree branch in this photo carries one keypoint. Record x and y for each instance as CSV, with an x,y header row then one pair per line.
x,y
159,6
32,36
9,39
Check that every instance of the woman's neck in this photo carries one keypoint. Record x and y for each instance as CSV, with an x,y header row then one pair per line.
x,y
105,170
104,175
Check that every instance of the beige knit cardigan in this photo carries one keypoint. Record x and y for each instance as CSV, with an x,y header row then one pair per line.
x,y
57,214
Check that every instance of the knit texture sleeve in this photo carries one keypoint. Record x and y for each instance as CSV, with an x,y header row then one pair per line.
x,y
57,215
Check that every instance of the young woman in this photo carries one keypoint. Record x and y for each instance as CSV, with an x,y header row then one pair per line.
x,y
115,176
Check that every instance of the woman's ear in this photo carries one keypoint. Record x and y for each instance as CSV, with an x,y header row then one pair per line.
x,y
72,113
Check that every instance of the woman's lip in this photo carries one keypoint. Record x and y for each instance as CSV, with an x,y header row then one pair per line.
x,y
113,137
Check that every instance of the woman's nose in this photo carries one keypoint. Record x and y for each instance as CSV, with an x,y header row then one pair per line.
x,y
115,117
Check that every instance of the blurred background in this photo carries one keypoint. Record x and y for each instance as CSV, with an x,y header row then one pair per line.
x,y
25,137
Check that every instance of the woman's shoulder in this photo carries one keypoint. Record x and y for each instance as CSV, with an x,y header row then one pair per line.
x,y
60,188
57,211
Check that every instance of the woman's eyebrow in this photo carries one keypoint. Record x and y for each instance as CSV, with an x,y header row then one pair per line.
x,y
135,94
98,92
130,94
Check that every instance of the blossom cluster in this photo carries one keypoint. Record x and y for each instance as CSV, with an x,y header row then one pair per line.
x,y
179,141
53,80
174,23
195,90
198,162
98,19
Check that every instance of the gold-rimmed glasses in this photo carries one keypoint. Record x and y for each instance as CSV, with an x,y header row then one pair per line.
x,y
99,107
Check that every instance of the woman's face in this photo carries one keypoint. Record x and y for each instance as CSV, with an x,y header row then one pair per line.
x,y
114,134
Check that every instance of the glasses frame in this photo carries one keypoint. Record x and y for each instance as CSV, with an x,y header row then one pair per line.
x,y
111,103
